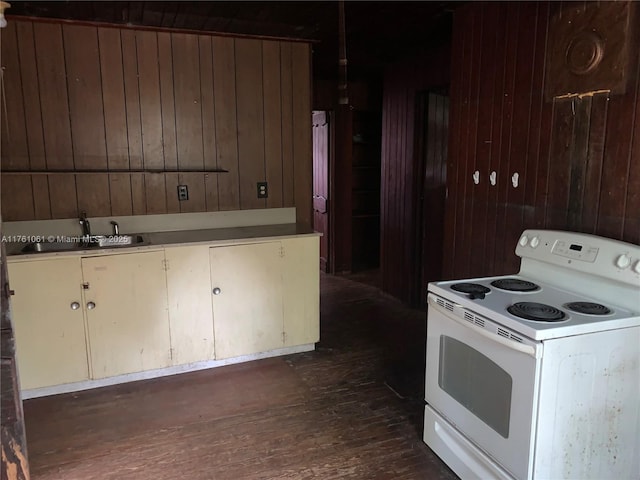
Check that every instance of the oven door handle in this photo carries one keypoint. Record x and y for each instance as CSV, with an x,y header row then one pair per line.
x,y
527,349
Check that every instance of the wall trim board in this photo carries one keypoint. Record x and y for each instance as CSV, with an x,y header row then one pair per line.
x,y
148,28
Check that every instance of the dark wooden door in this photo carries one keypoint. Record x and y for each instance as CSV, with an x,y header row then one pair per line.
x,y
321,183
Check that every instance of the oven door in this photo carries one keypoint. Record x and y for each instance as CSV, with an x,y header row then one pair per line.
x,y
483,382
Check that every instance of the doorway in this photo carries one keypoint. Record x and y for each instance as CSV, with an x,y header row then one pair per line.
x,y
322,141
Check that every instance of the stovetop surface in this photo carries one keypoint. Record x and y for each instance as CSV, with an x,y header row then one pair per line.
x,y
494,304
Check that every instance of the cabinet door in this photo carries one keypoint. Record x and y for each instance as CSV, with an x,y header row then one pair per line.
x,y
129,325
247,311
190,314
50,335
301,291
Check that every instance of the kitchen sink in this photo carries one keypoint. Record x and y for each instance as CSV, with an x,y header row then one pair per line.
x,y
67,244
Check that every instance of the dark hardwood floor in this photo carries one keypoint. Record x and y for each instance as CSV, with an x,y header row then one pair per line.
x,y
351,409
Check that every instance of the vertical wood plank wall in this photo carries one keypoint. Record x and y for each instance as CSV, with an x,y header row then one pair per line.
x,y
87,98
578,159
400,168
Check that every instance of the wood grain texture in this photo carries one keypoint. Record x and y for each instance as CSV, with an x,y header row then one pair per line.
x,y
53,95
226,127
150,106
186,82
13,136
303,164
286,102
102,98
272,101
250,121
113,97
82,63
209,143
167,103
573,155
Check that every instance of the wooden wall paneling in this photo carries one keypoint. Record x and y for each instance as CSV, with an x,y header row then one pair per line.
x,y
457,160
33,119
64,200
465,163
82,62
593,164
120,194
151,120
632,219
17,201
167,105
578,161
138,194
134,127
498,124
186,83
15,150
115,119
172,180
455,143
17,195
272,121
501,252
250,118
189,137
559,163
521,133
54,102
617,159
208,122
93,195
538,125
482,141
301,82
224,88
286,102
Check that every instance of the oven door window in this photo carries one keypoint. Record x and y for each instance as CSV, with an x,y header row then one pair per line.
x,y
476,382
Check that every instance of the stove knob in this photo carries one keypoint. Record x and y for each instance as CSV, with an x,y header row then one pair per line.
x,y
636,267
523,241
535,241
623,261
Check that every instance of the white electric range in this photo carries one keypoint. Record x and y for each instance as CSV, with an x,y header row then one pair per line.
x,y
537,375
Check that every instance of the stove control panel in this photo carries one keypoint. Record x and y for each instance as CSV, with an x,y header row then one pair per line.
x,y
577,251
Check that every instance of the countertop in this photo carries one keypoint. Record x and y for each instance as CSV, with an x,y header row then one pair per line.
x,y
158,240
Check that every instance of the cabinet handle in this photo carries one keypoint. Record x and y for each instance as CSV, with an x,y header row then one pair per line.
x,y
91,305
217,291
74,305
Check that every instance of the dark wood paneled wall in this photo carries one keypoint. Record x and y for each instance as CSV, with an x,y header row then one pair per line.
x,y
578,158
401,167
100,98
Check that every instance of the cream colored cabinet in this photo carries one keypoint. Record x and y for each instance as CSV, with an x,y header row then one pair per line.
x,y
127,318
190,314
48,321
301,279
247,291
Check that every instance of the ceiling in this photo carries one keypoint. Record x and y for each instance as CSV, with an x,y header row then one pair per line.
x,y
377,33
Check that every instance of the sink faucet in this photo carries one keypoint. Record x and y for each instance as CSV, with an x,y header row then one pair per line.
x,y
116,227
86,226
